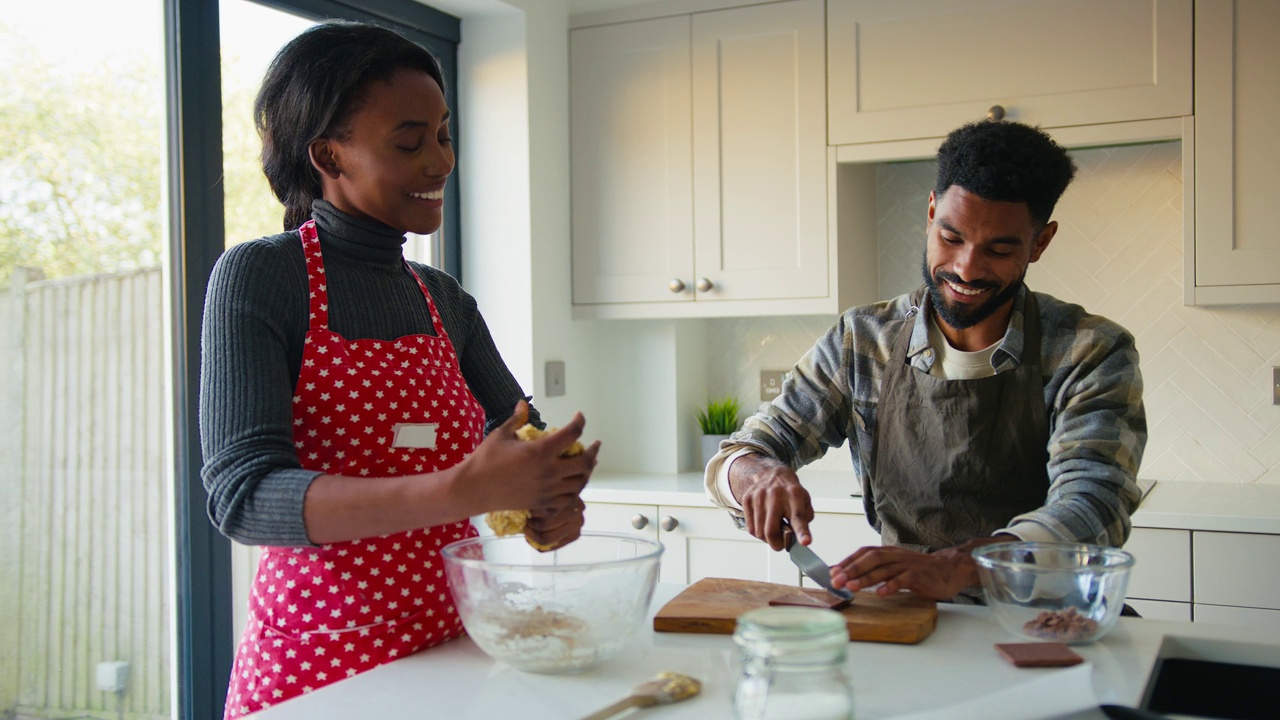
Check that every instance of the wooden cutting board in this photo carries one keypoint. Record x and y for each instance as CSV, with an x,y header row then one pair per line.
x,y
712,605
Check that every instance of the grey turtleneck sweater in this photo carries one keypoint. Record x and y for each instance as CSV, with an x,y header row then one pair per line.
x,y
255,321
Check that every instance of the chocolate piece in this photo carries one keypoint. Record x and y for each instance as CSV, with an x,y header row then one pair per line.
x,y
802,598
1068,625
1039,654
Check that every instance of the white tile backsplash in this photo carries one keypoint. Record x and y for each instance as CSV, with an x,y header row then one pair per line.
x,y
1118,253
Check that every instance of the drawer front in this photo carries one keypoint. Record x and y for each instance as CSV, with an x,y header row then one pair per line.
x,y
1237,616
837,535
1162,564
1237,569
621,518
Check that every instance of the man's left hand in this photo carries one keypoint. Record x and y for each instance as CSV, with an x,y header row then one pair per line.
x,y
939,575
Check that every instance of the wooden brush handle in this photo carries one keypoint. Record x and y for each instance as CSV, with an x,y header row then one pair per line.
x,y
626,702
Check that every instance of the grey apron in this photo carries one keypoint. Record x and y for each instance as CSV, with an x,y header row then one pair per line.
x,y
957,459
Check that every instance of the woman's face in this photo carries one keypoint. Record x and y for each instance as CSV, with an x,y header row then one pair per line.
x,y
393,162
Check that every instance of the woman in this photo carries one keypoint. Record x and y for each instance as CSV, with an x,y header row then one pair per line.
x,y
344,391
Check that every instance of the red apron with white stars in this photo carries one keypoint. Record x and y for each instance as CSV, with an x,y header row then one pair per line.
x,y
362,407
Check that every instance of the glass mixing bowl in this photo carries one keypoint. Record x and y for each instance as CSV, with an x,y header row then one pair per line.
x,y
1063,592
556,612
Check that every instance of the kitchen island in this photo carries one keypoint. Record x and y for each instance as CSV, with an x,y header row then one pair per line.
x,y
955,665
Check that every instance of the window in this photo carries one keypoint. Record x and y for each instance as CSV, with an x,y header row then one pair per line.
x,y
86,476
111,216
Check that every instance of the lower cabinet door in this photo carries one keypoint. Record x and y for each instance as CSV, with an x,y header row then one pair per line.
x,y
1238,616
1162,565
698,542
1161,610
836,536
704,542
1236,569
639,520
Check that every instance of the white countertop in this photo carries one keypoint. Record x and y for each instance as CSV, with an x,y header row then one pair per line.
x,y
1225,507
955,665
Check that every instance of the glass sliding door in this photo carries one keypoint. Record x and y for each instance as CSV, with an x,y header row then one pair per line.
x,y
86,478
250,35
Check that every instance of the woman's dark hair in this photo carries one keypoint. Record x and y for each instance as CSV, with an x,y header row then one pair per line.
x,y
1006,162
312,88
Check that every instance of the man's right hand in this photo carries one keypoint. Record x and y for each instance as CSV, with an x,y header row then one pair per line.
x,y
769,491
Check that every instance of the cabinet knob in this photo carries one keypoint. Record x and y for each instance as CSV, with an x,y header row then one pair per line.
x,y
639,521
705,284
995,112
669,523
676,285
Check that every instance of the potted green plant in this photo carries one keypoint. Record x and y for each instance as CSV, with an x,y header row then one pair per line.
x,y
718,420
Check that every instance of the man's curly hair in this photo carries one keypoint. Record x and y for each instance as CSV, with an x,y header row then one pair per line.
x,y
1007,162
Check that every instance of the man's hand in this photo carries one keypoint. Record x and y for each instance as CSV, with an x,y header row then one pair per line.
x,y
939,575
769,491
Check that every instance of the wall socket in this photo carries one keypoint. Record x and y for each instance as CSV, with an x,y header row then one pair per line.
x,y
771,384
113,676
553,378
1275,385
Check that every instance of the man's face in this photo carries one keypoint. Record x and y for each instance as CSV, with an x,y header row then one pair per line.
x,y
976,256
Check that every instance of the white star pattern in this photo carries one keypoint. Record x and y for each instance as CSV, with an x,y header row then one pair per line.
x,y
296,642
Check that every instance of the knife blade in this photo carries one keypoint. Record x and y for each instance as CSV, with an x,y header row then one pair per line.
x,y
813,566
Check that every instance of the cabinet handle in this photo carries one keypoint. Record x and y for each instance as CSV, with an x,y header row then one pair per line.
x,y
676,285
705,284
639,521
669,523
995,112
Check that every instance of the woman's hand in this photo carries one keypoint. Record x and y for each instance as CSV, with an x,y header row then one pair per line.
x,y
556,527
506,473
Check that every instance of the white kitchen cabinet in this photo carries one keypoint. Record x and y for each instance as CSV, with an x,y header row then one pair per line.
x,y
631,161
1241,617
1162,565
1160,610
920,68
1235,254
1237,569
698,542
837,535
699,164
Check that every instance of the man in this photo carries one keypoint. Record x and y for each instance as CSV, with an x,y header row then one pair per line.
x,y
976,410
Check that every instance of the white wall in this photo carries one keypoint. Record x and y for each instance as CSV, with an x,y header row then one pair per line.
x,y
1207,370
1118,253
514,144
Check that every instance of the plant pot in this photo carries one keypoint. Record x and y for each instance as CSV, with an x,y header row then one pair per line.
x,y
711,446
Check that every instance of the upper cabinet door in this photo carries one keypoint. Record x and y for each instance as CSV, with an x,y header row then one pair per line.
x,y
760,159
903,69
1237,151
632,217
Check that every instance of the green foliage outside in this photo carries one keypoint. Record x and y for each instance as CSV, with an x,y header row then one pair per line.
x,y
82,165
720,417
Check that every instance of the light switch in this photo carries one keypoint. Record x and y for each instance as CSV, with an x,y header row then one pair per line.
x,y
771,384
553,378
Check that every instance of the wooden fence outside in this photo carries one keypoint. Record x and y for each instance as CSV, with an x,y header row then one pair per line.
x,y
85,496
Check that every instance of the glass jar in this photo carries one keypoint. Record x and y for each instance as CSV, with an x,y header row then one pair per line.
x,y
791,665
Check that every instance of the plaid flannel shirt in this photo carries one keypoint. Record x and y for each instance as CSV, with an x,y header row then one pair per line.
x,y
1092,394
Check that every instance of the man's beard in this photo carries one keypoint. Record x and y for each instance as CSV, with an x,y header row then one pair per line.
x,y
961,317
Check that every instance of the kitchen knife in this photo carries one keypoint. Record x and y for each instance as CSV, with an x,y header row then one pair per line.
x,y
812,566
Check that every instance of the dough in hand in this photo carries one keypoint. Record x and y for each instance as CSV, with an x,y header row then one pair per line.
x,y
510,522
531,432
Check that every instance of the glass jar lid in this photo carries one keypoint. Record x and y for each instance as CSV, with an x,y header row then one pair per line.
x,y
802,634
